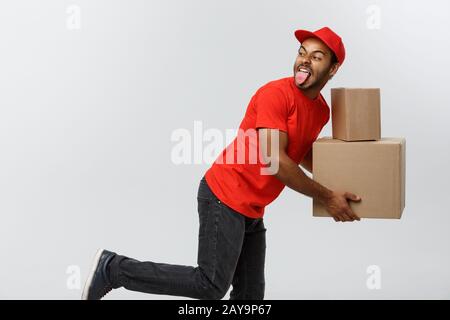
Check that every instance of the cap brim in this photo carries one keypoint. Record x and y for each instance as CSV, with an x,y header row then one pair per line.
x,y
301,35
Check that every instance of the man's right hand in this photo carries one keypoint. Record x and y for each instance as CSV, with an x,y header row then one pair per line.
x,y
338,207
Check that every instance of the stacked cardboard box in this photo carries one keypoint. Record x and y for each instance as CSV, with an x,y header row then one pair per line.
x,y
358,160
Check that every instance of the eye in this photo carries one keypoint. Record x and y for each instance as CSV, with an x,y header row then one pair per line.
x,y
317,58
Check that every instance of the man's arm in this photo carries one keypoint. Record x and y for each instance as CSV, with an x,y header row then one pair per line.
x,y
292,176
306,162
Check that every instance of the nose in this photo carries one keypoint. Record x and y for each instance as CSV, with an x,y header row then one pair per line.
x,y
306,60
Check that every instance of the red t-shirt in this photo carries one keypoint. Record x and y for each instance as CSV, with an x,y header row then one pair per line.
x,y
279,105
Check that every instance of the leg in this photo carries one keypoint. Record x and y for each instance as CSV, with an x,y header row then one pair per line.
x,y
221,233
248,281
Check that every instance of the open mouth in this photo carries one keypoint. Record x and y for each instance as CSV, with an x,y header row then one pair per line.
x,y
302,74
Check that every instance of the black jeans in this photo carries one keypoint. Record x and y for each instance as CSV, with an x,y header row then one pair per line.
x,y
231,251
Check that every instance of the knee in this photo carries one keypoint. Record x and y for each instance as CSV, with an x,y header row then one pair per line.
x,y
211,292
254,292
207,290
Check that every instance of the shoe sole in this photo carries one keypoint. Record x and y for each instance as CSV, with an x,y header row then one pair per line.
x,y
87,285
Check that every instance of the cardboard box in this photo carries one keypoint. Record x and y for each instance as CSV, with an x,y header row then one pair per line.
x,y
355,114
373,170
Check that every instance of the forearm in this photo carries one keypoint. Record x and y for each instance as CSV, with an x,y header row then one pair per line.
x,y
293,176
307,164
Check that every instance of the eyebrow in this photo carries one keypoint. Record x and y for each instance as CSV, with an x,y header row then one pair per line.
x,y
313,51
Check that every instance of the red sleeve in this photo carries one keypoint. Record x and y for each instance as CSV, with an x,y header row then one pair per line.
x,y
272,109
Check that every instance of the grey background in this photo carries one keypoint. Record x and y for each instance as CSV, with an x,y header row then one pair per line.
x,y
86,118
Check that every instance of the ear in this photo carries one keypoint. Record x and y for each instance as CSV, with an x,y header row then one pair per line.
x,y
334,68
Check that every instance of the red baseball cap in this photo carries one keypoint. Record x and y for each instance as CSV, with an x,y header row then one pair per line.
x,y
329,37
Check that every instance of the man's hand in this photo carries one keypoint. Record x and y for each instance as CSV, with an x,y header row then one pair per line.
x,y
338,207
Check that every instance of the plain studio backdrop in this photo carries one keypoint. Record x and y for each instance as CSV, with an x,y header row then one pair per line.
x,y
92,91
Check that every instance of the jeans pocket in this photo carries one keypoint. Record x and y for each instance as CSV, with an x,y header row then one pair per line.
x,y
204,192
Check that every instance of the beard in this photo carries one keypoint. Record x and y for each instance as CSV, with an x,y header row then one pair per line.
x,y
317,79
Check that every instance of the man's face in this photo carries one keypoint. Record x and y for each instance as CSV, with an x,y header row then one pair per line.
x,y
315,57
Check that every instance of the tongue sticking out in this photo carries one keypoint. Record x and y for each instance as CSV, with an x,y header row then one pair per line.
x,y
301,77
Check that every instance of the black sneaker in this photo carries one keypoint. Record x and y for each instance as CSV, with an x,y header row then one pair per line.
x,y
98,284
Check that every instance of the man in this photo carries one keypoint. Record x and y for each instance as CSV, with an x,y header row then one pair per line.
x,y
287,114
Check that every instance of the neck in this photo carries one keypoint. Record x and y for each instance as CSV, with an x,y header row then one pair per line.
x,y
311,93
